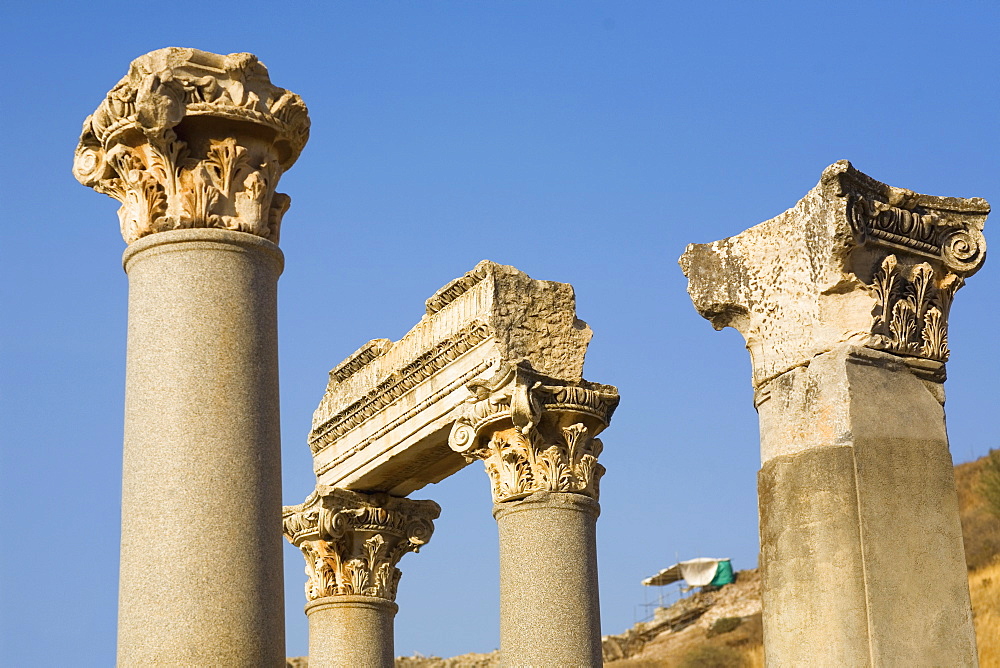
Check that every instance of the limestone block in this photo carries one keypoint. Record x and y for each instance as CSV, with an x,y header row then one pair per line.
x,y
861,544
843,301
384,421
854,261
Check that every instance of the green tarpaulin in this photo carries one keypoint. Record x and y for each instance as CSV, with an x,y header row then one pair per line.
x,y
696,572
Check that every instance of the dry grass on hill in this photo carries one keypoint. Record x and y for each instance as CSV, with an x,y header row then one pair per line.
x,y
691,648
980,528
984,585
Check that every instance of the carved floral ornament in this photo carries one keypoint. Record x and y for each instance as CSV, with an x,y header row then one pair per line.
x,y
535,433
959,246
352,541
911,312
924,248
193,139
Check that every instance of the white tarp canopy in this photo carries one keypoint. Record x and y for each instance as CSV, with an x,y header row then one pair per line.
x,y
696,572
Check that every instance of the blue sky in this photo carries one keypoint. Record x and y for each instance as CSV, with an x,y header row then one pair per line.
x,y
583,142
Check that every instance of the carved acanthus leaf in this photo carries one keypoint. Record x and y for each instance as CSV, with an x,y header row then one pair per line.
x,y
854,262
535,433
923,249
911,310
193,173
352,541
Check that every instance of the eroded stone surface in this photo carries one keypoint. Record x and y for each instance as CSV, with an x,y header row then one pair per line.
x,y
535,434
189,139
384,420
843,301
855,261
352,541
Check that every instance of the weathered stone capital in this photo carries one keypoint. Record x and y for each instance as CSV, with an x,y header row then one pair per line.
x,y
855,261
535,433
193,139
352,541
384,419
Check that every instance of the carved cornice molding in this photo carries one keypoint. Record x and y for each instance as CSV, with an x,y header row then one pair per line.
x,y
385,415
921,248
364,356
944,230
396,385
855,262
535,433
352,541
456,288
192,139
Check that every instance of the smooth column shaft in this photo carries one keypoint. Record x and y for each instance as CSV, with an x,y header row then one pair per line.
x,y
549,605
351,632
201,564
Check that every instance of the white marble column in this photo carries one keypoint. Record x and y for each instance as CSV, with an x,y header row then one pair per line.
x,y
843,301
192,144
352,542
536,436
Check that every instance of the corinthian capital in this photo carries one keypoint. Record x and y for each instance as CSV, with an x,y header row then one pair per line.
x,y
193,139
535,433
352,541
855,262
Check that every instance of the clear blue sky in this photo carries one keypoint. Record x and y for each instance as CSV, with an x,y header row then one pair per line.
x,y
585,142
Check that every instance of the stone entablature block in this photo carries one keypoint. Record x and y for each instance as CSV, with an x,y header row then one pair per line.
x,y
352,541
189,139
854,262
384,421
534,433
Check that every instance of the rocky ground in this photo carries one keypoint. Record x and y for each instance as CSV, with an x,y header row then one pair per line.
x,y
727,621
490,660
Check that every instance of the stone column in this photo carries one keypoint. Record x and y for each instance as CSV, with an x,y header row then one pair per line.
x,y
192,144
352,542
843,301
536,436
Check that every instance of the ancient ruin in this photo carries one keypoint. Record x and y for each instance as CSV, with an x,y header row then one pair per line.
x,y
491,372
843,301
192,144
191,139
352,542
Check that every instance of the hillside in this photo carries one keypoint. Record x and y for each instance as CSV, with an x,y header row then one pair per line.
x,y
980,528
